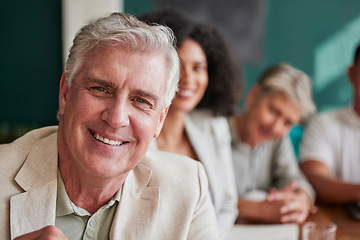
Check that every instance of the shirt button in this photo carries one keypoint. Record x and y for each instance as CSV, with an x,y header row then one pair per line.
x,y
92,223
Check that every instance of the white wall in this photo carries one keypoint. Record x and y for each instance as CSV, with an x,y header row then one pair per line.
x,y
76,13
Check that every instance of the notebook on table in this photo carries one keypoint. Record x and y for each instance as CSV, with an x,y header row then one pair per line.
x,y
264,232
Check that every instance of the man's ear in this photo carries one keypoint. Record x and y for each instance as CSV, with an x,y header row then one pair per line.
x,y
63,92
252,95
161,121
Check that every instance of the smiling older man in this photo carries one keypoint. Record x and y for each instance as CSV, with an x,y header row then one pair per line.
x,y
92,177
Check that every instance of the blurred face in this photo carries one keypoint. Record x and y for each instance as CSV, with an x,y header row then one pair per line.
x,y
193,78
269,117
112,111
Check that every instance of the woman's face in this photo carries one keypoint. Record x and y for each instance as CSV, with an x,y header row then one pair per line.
x,y
193,78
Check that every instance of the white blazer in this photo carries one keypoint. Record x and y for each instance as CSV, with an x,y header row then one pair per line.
x,y
164,197
210,138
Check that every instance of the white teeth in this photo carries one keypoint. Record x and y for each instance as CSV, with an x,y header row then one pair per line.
x,y
106,140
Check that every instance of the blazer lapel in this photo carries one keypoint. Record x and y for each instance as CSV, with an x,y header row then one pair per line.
x,y
202,140
35,208
137,213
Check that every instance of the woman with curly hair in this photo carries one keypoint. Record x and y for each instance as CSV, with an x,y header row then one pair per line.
x,y
208,91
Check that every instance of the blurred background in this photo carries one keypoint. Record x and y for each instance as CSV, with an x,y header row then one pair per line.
x,y
317,37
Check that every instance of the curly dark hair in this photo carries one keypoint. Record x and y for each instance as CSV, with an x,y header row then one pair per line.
x,y
225,75
173,18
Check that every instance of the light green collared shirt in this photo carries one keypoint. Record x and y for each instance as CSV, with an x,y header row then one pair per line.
x,y
77,223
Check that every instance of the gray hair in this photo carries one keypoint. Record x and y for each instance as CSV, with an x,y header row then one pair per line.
x,y
292,82
121,29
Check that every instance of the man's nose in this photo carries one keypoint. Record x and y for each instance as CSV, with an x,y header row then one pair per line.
x,y
117,113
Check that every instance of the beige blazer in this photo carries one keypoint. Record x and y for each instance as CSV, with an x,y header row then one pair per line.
x,y
164,197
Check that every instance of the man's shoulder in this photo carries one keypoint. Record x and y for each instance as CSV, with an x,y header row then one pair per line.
x,y
34,135
20,147
333,114
28,152
331,118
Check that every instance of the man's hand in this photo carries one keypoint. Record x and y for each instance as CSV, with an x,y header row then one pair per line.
x,y
48,233
296,204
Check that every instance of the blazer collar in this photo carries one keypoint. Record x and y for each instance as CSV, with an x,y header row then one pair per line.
x,y
35,208
137,213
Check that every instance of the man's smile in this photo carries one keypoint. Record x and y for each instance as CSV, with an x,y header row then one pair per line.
x,y
106,140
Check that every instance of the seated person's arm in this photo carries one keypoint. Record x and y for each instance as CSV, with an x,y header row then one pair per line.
x,y
329,189
259,211
292,186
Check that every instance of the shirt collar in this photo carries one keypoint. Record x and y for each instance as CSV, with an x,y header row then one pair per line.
x,y
64,206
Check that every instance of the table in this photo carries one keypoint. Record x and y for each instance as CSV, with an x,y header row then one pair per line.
x,y
347,228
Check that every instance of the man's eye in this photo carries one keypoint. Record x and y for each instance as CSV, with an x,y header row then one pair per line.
x,y
100,89
140,100
143,102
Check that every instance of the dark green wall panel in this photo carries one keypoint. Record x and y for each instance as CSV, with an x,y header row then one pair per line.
x,y
31,62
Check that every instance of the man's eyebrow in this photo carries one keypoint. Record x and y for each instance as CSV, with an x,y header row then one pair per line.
x,y
98,81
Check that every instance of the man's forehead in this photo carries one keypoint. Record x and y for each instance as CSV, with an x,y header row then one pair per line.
x,y
143,71
119,61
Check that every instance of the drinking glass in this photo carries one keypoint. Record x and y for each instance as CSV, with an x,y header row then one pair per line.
x,y
319,231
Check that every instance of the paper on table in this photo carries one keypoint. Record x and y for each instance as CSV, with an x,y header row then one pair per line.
x,y
265,232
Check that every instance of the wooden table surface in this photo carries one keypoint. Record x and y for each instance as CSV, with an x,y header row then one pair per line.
x,y
347,228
